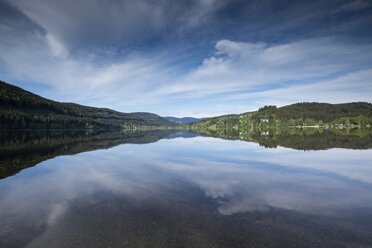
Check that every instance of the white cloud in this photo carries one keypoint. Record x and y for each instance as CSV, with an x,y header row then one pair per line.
x,y
87,23
239,76
355,86
43,59
56,46
243,66
353,6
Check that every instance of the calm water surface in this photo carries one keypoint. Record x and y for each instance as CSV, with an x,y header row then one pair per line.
x,y
184,191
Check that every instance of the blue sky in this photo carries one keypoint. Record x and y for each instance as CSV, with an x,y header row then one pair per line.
x,y
188,57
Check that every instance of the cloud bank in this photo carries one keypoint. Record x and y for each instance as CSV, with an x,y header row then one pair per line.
x,y
198,58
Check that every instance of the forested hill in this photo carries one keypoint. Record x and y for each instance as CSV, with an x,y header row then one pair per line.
x,y
356,114
320,111
20,109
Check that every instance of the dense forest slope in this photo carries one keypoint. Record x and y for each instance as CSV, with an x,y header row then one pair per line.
x,y
20,109
320,111
357,114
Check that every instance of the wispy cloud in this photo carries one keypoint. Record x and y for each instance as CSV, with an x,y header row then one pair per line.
x,y
44,59
263,69
354,86
87,24
353,6
113,60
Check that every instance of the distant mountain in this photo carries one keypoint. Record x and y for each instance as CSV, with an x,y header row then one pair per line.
x,y
183,120
20,109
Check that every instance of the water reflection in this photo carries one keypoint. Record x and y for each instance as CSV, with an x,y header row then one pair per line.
x,y
20,150
191,191
300,138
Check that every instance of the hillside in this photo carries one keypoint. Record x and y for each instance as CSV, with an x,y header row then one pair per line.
x,y
20,109
357,114
323,111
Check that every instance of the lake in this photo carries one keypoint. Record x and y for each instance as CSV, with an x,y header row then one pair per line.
x,y
181,189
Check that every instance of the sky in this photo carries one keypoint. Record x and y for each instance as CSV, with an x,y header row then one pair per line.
x,y
188,57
